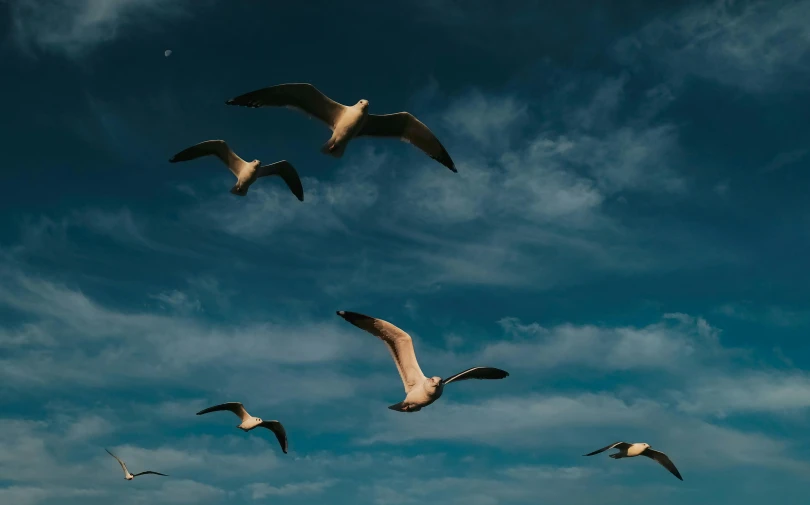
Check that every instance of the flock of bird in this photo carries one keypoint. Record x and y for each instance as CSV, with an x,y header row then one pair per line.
x,y
346,123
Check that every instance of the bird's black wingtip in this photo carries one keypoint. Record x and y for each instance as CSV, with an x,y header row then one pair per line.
x,y
353,317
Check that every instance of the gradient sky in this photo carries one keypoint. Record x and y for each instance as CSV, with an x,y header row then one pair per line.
x,y
627,234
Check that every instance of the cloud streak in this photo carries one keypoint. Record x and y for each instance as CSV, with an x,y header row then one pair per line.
x,y
75,27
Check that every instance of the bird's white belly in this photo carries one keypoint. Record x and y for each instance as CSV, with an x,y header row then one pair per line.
x,y
635,450
419,397
348,126
249,424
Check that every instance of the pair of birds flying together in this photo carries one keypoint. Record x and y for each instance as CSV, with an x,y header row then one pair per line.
x,y
248,423
346,123
421,391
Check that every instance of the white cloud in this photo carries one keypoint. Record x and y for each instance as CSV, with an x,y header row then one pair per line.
x,y
760,45
261,490
785,159
95,345
657,347
178,300
749,392
775,315
489,122
74,27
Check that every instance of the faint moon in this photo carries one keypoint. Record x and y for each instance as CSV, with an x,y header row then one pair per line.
x,y
167,53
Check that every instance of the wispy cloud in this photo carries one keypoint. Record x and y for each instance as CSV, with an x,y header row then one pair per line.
x,y
75,27
785,159
775,315
758,46
261,490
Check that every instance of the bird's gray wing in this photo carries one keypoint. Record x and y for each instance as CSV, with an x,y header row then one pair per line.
x,y
479,372
235,407
123,466
620,445
286,171
663,460
278,429
298,95
399,344
404,126
149,472
218,148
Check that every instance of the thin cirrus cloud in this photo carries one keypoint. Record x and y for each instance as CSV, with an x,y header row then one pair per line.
x,y
759,46
75,27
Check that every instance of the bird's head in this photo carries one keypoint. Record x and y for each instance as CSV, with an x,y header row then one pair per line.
x,y
646,446
256,163
434,382
363,104
258,420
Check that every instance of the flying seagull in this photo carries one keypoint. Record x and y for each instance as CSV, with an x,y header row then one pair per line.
x,y
640,449
420,391
246,172
127,475
249,422
347,122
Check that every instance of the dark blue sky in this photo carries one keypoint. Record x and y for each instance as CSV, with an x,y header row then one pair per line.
x,y
627,235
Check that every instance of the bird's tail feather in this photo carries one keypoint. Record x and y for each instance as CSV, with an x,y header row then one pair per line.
x,y
399,407
333,149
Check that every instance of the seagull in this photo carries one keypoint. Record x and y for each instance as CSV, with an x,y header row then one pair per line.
x,y
249,422
347,122
127,475
246,172
640,449
420,391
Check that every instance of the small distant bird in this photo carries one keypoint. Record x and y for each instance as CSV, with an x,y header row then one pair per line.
x,y
640,449
419,390
249,422
246,173
127,475
167,53
347,122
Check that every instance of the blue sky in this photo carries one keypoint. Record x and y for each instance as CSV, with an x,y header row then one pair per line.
x,y
627,234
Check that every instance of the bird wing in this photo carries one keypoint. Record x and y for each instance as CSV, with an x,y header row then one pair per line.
x,y
278,429
399,344
301,96
148,472
663,460
479,372
620,445
235,407
123,466
404,126
286,171
218,148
